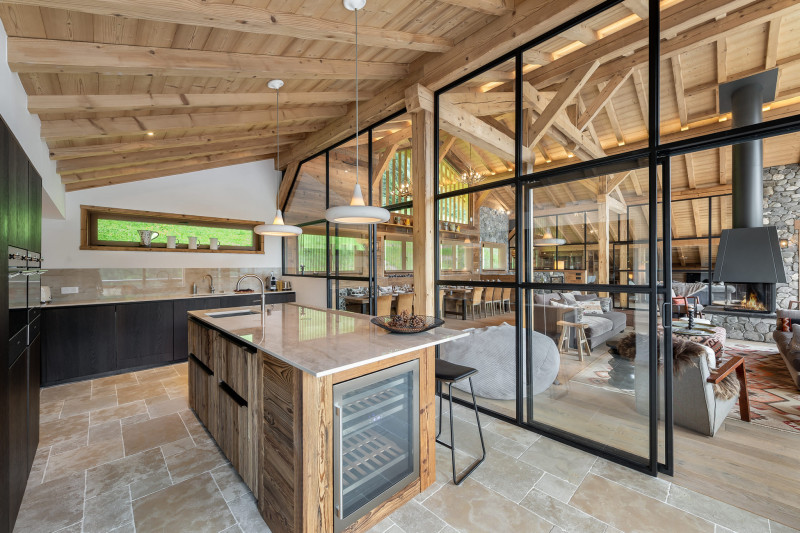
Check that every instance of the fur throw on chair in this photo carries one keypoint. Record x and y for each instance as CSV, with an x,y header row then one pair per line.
x,y
685,354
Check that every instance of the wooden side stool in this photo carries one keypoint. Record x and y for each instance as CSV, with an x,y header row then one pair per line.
x,y
580,337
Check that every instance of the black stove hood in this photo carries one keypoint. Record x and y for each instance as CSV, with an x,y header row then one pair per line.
x,y
750,252
750,255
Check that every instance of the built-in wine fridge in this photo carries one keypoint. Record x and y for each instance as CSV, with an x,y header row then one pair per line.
x,y
376,440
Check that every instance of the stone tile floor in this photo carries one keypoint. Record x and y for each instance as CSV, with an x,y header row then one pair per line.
x,y
125,454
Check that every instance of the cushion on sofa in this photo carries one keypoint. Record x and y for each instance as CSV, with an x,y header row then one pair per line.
x,y
545,298
586,297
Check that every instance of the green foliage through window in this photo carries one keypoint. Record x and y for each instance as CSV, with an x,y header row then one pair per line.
x,y
127,231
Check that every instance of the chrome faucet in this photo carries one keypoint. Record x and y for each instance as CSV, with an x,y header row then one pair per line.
x,y
263,290
210,282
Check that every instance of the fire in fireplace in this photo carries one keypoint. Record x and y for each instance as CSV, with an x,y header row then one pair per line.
x,y
753,297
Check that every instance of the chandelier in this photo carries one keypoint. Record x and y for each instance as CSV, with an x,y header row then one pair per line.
x,y
402,192
470,176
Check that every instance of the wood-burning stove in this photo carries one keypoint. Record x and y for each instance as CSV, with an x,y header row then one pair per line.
x,y
751,297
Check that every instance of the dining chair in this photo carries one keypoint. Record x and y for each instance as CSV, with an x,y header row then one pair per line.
x,y
477,293
405,302
682,304
488,294
497,297
384,305
506,300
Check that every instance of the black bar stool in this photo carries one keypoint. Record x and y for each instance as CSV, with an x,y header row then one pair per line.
x,y
447,372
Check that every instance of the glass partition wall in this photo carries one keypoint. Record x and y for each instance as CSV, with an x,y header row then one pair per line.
x,y
579,179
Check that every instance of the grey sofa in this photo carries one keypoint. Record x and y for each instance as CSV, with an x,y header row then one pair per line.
x,y
784,339
546,317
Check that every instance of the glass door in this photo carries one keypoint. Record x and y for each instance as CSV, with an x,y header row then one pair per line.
x,y
376,439
589,340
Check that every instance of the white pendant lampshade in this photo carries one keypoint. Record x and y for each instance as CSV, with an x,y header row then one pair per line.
x,y
548,240
357,212
278,228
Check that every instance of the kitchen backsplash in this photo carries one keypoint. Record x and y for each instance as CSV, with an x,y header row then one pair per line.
x,y
97,283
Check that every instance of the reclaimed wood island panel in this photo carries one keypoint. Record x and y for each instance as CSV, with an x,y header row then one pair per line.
x,y
263,387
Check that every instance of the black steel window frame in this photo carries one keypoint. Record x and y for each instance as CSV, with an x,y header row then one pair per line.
x,y
655,154
333,278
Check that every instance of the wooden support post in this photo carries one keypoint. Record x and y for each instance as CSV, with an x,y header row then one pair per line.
x,y
419,102
603,230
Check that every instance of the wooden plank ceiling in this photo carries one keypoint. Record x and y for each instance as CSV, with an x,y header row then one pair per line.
x,y
136,90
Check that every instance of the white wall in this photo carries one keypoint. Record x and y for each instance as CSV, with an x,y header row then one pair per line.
x,y
27,130
245,192
309,291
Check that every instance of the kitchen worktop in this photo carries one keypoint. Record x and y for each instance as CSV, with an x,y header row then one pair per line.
x,y
117,299
319,341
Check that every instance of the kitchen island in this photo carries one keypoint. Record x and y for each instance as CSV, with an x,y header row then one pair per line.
x,y
328,419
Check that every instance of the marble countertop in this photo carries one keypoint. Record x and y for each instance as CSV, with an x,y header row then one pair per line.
x,y
320,341
104,300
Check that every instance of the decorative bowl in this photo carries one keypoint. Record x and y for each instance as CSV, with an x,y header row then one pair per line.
x,y
429,322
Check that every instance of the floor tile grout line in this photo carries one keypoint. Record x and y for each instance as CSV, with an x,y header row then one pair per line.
x,y
130,497
85,487
222,495
46,464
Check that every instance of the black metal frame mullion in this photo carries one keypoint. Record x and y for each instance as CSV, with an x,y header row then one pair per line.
x,y
654,63
668,467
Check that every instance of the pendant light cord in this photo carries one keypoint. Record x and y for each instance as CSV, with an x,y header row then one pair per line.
x,y
357,143
278,116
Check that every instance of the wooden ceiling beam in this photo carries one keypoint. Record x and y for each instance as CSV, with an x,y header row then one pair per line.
x,y
791,61
247,19
75,57
680,91
489,7
91,184
638,7
698,219
641,97
772,44
604,97
565,94
54,130
85,164
382,165
563,130
101,103
445,147
174,165
724,159
92,150
690,176
286,183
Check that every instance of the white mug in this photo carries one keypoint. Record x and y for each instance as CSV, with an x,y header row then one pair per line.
x,y
193,243
171,241
213,243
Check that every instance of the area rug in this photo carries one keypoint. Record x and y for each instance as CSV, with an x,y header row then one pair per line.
x,y
596,375
774,398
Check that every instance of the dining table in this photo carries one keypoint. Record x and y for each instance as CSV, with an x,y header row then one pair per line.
x,y
363,301
463,294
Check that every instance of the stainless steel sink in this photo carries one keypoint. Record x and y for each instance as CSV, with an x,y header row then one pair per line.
x,y
227,314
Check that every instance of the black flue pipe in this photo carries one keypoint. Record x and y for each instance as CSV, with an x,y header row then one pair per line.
x,y
748,159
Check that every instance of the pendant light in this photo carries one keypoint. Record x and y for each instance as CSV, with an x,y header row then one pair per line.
x,y
278,228
357,212
548,240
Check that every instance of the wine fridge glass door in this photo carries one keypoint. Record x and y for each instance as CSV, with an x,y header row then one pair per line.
x,y
376,439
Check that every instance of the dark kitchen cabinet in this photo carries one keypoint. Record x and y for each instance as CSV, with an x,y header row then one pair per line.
x,y
34,388
34,231
17,196
180,345
144,334
77,342
5,506
17,434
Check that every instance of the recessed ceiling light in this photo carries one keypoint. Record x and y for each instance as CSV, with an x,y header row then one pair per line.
x,y
684,128
150,133
766,108
621,143
548,160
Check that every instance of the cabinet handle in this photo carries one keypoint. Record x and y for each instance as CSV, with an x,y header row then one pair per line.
x,y
340,493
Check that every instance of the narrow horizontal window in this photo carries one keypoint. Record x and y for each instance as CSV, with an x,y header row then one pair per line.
x,y
105,228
